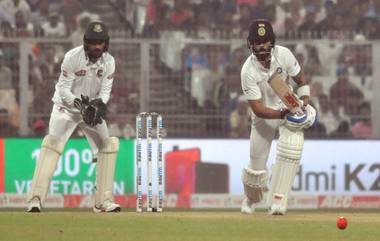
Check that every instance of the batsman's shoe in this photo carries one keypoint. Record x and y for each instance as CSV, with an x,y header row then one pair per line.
x,y
34,205
247,206
277,209
107,207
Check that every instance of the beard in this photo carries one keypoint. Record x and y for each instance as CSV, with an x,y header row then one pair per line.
x,y
95,54
263,57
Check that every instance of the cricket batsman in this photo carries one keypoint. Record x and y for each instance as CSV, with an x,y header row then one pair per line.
x,y
81,93
289,114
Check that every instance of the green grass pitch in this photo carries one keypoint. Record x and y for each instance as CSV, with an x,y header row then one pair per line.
x,y
180,225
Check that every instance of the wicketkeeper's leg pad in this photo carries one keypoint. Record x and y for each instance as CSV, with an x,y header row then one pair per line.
x,y
255,183
51,148
289,152
105,170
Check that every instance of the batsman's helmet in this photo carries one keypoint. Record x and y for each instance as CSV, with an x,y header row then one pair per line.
x,y
96,31
261,32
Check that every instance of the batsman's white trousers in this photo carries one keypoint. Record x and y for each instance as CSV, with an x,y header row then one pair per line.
x,y
63,123
263,131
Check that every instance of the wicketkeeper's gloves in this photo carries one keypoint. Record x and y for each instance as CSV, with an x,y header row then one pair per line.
x,y
93,112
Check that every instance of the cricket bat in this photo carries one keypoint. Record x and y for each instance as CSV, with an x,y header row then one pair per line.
x,y
282,90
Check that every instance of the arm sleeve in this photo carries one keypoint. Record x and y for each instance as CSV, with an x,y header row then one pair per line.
x,y
65,81
292,65
105,91
249,86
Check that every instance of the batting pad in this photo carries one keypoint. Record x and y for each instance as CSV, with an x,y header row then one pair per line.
x,y
289,152
105,170
255,182
51,149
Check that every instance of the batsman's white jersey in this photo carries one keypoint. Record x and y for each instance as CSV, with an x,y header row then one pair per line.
x,y
79,77
254,77
254,83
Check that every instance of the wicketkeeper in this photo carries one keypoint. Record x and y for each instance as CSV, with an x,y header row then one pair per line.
x,y
269,115
80,98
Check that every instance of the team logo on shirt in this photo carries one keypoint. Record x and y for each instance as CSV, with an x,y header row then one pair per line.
x,y
81,72
279,70
99,74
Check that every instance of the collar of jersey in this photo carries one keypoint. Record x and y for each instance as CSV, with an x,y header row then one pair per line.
x,y
97,64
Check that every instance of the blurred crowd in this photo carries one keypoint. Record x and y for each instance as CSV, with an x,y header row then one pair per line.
x,y
290,18
200,18
208,76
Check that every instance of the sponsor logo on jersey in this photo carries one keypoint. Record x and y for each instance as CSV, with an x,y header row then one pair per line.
x,y
81,72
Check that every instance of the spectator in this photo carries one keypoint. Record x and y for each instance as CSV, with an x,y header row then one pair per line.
x,y
71,9
6,30
328,114
7,94
6,128
156,18
370,27
54,27
39,128
226,20
309,23
14,6
23,27
239,119
329,22
243,17
283,13
259,11
249,2
181,16
342,132
363,128
39,16
77,36
5,74
342,89
316,89
45,71
6,16
317,131
197,63
155,12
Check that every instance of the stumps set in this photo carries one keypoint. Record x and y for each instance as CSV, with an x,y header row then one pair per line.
x,y
148,119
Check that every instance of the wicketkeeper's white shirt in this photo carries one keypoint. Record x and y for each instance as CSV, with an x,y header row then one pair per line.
x,y
254,77
79,77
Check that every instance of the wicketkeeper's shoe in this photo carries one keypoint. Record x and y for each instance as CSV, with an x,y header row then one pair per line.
x,y
34,205
277,209
108,207
247,206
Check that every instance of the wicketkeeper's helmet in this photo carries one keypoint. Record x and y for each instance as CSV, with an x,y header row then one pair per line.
x,y
96,31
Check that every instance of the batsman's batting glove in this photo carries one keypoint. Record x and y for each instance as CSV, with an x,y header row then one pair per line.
x,y
304,121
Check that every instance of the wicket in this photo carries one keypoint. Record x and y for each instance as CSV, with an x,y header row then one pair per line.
x,y
149,117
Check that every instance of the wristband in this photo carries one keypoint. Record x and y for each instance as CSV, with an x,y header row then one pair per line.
x,y
303,90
